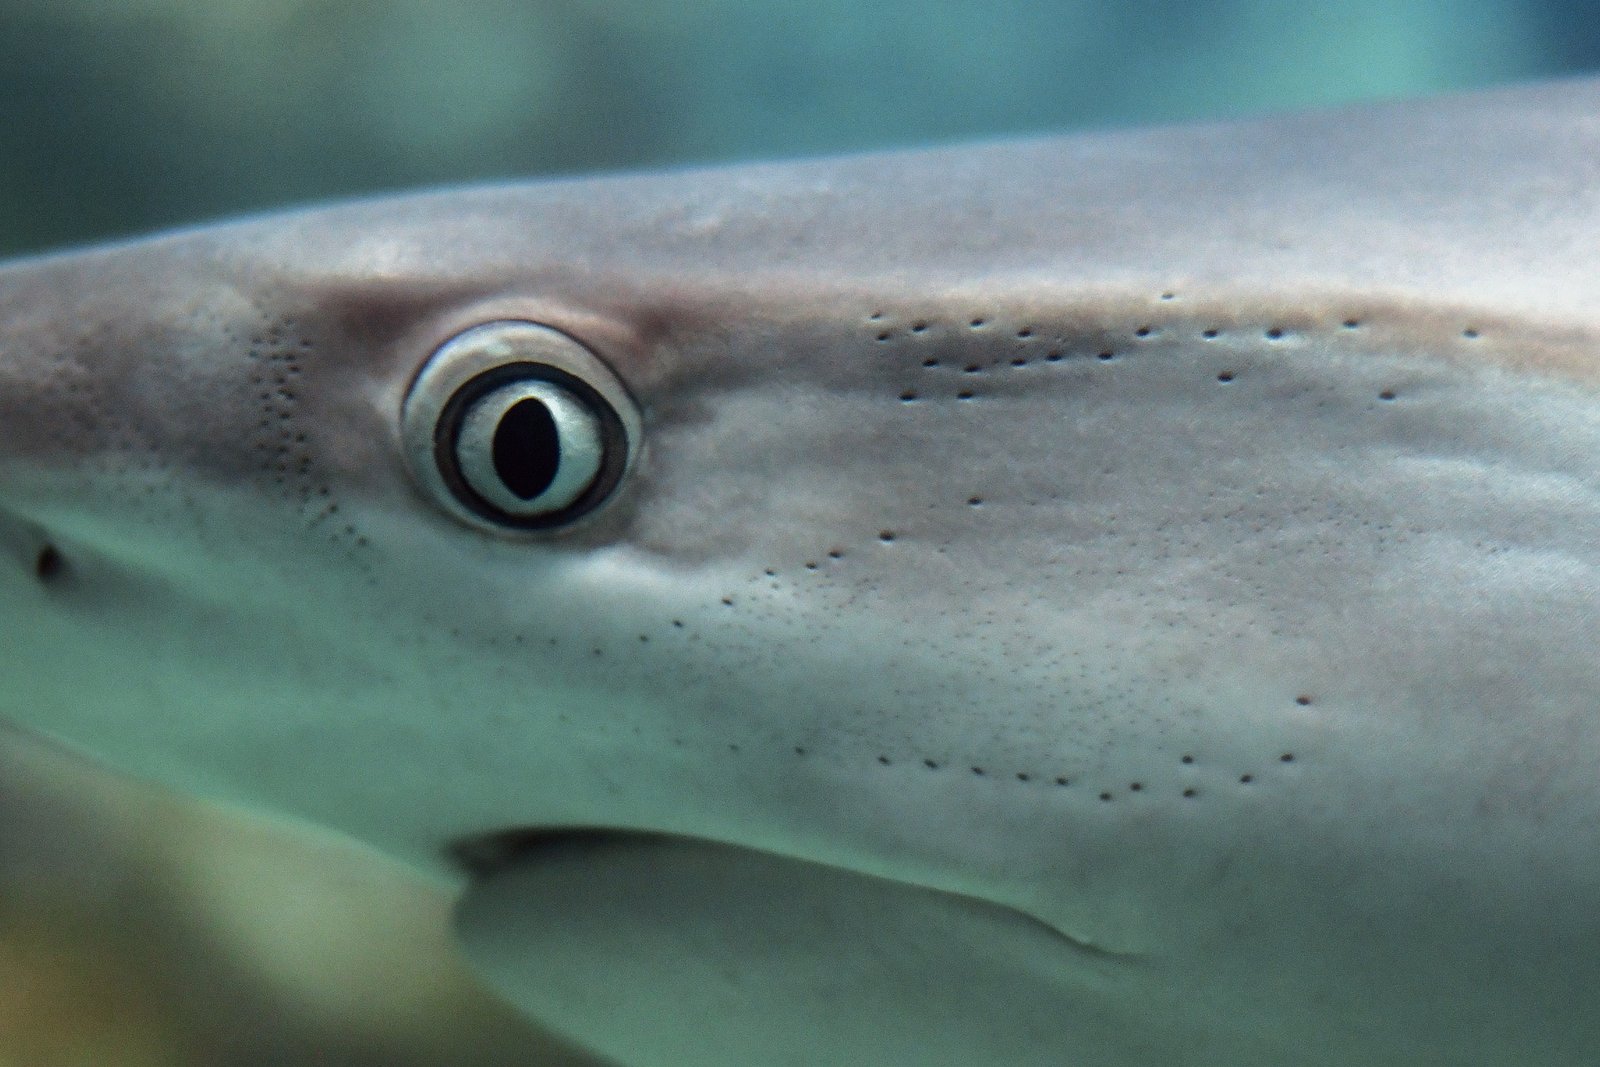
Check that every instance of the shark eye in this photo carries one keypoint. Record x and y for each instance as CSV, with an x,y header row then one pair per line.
x,y
514,426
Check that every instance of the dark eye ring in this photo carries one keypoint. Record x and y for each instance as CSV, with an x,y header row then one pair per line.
x,y
513,426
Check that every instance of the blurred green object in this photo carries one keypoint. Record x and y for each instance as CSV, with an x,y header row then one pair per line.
x,y
125,115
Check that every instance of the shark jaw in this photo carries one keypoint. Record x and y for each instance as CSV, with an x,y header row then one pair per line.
x,y
1214,639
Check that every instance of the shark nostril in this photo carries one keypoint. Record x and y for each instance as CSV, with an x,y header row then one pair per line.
x,y
49,563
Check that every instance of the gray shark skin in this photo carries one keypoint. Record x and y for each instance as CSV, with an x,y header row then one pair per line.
x,y
1112,600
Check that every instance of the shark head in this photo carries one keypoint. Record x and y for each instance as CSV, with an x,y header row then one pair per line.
x,y
1130,597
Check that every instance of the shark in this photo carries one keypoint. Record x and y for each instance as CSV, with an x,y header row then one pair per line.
x,y
1122,598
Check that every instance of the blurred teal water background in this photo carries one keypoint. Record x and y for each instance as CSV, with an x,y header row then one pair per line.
x,y
124,115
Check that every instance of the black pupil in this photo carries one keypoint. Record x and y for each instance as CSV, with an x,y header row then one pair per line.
x,y
527,448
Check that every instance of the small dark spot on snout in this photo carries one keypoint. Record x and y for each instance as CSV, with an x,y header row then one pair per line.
x,y
49,564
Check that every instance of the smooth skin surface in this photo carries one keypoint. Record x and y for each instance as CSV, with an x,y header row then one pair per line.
x,y
1171,556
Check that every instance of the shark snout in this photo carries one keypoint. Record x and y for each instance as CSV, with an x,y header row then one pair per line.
x,y
124,402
